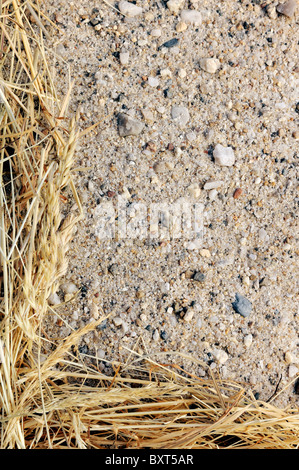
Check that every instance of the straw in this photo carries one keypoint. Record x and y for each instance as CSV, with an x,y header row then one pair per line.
x,y
50,395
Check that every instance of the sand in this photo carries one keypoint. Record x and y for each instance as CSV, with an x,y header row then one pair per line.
x,y
247,234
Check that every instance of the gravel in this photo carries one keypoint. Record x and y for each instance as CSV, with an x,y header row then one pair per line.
x,y
170,130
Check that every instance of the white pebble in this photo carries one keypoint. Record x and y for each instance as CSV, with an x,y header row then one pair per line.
x,y
205,253
124,58
224,156
117,321
189,315
194,190
129,9
191,17
175,5
289,357
156,33
153,81
156,335
213,194
220,356
248,340
69,288
213,184
182,73
180,114
293,370
209,64
54,299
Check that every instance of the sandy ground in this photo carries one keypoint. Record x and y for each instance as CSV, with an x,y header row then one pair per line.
x,y
169,297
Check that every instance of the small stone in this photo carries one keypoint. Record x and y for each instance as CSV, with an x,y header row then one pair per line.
x,y
148,115
199,276
205,253
224,156
289,357
54,299
128,126
124,58
156,335
271,11
191,17
153,82
156,33
188,315
237,193
295,135
117,321
129,9
220,356
69,288
181,27
213,194
175,5
94,311
171,43
242,305
180,115
293,370
248,340
194,190
182,73
213,185
288,8
209,64
151,146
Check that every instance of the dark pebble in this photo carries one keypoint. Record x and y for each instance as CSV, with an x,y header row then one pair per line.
x,y
199,276
170,43
242,305
163,335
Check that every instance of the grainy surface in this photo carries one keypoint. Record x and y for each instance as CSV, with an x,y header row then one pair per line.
x,y
250,219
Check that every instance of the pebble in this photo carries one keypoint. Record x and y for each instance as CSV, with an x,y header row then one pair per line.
x,y
156,33
237,193
213,184
205,253
156,335
181,27
54,299
191,17
171,43
220,356
175,5
194,190
242,305
199,276
153,82
69,288
293,370
288,8
289,357
188,315
209,64
128,126
224,156
129,9
180,115
213,194
248,340
124,58
271,11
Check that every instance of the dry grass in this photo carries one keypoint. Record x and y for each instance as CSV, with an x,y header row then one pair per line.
x,y
54,399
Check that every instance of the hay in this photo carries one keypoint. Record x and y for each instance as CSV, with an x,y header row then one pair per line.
x,y
50,397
